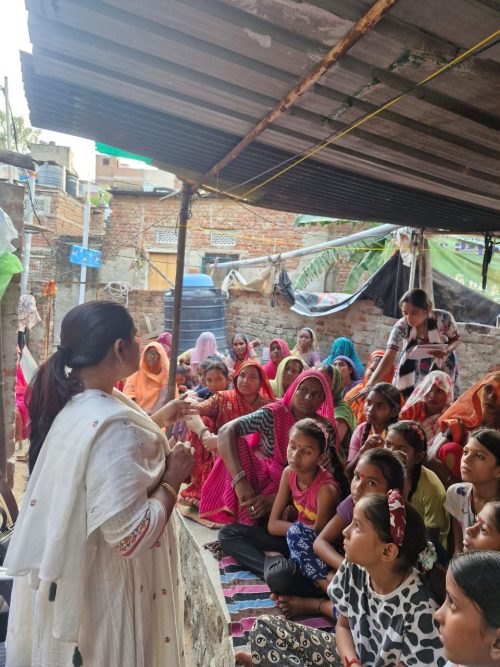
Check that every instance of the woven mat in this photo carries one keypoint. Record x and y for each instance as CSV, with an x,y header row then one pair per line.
x,y
247,598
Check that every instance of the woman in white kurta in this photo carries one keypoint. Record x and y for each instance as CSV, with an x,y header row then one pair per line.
x,y
94,555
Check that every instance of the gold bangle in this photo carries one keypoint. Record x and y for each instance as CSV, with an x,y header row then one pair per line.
x,y
170,489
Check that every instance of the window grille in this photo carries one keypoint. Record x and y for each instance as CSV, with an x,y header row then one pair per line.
x,y
222,239
165,236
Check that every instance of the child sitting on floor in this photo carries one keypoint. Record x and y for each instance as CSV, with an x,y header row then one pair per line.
x,y
385,610
485,533
480,471
469,620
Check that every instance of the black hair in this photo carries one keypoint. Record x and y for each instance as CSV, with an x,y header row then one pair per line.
x,y
218,366
180,370
495,506
390,464
203,365
312,428
477,574
87,333
392,396
416,297
489,438
376,509
415,436
329,370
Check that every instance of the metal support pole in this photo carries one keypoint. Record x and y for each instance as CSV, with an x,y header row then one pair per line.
x,y
184,215
413,265
27,235
85,244
8,122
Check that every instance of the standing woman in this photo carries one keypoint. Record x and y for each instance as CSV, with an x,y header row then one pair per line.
x,y
278,350
307,347
420,324
93,554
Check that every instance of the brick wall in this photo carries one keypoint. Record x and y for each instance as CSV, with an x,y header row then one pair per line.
x,y
11,200
363,322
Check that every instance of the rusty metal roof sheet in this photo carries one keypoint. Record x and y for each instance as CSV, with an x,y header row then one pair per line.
x,y
183,81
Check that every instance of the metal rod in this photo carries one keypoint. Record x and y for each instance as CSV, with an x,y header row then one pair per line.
x,y
30,185
359,29
346,240
413,265
184,213
8,129
85,244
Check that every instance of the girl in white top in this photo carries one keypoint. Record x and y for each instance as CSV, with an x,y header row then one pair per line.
x,y
469,620
480,472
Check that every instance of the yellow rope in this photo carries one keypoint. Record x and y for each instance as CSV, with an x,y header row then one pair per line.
x,y
367,117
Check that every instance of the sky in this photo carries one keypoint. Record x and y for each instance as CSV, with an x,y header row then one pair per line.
x,y
14,37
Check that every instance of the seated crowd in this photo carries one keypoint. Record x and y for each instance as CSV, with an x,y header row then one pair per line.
x,y
367,495
349,490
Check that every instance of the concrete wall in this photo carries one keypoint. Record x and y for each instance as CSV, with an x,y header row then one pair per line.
x,y
363,322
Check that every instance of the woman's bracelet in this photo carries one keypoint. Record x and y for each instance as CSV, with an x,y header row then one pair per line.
x,y
170,489
237,478
204,430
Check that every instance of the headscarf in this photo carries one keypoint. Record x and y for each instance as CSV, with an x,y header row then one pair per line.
x,y
414,407
149,389
206,346
344,347
467,410
265,386
326,409
358,404
356,380
231,351
271,368
314,346
342,409
277,383
165,339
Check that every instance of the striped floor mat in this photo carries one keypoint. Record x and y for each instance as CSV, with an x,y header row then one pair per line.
x,y
247,598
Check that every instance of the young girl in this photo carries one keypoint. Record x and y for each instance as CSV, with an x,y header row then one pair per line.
x,y
480,471
377,471
425,490
385,611
382,406
469,620
314,494
485,533
216,377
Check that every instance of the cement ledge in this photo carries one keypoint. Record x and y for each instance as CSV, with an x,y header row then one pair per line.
x,y
206,618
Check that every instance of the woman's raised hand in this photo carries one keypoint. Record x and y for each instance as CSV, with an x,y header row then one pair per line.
x,y
371,442
175,410
179,464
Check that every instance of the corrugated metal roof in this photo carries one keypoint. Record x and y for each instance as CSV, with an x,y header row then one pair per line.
x,y
183,81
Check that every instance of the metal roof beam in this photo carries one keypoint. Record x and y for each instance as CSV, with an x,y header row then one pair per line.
x,y
364,25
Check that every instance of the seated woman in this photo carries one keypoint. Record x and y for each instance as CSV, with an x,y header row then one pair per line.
x,y
278,350
149,385
356,396
246,476
241,349
251,392
479,406
344,347
307,348
430,398
344,416
288,370
350,377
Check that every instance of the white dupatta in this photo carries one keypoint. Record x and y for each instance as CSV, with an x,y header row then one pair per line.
x,y
53,531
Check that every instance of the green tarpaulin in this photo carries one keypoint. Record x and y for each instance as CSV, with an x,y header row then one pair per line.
x,y
117,152
9,265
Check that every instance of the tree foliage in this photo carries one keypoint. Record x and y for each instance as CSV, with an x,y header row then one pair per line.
x,y
24,133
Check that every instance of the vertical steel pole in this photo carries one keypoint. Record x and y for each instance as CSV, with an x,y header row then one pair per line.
x,y
184,214
85,244
8,123
30,185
